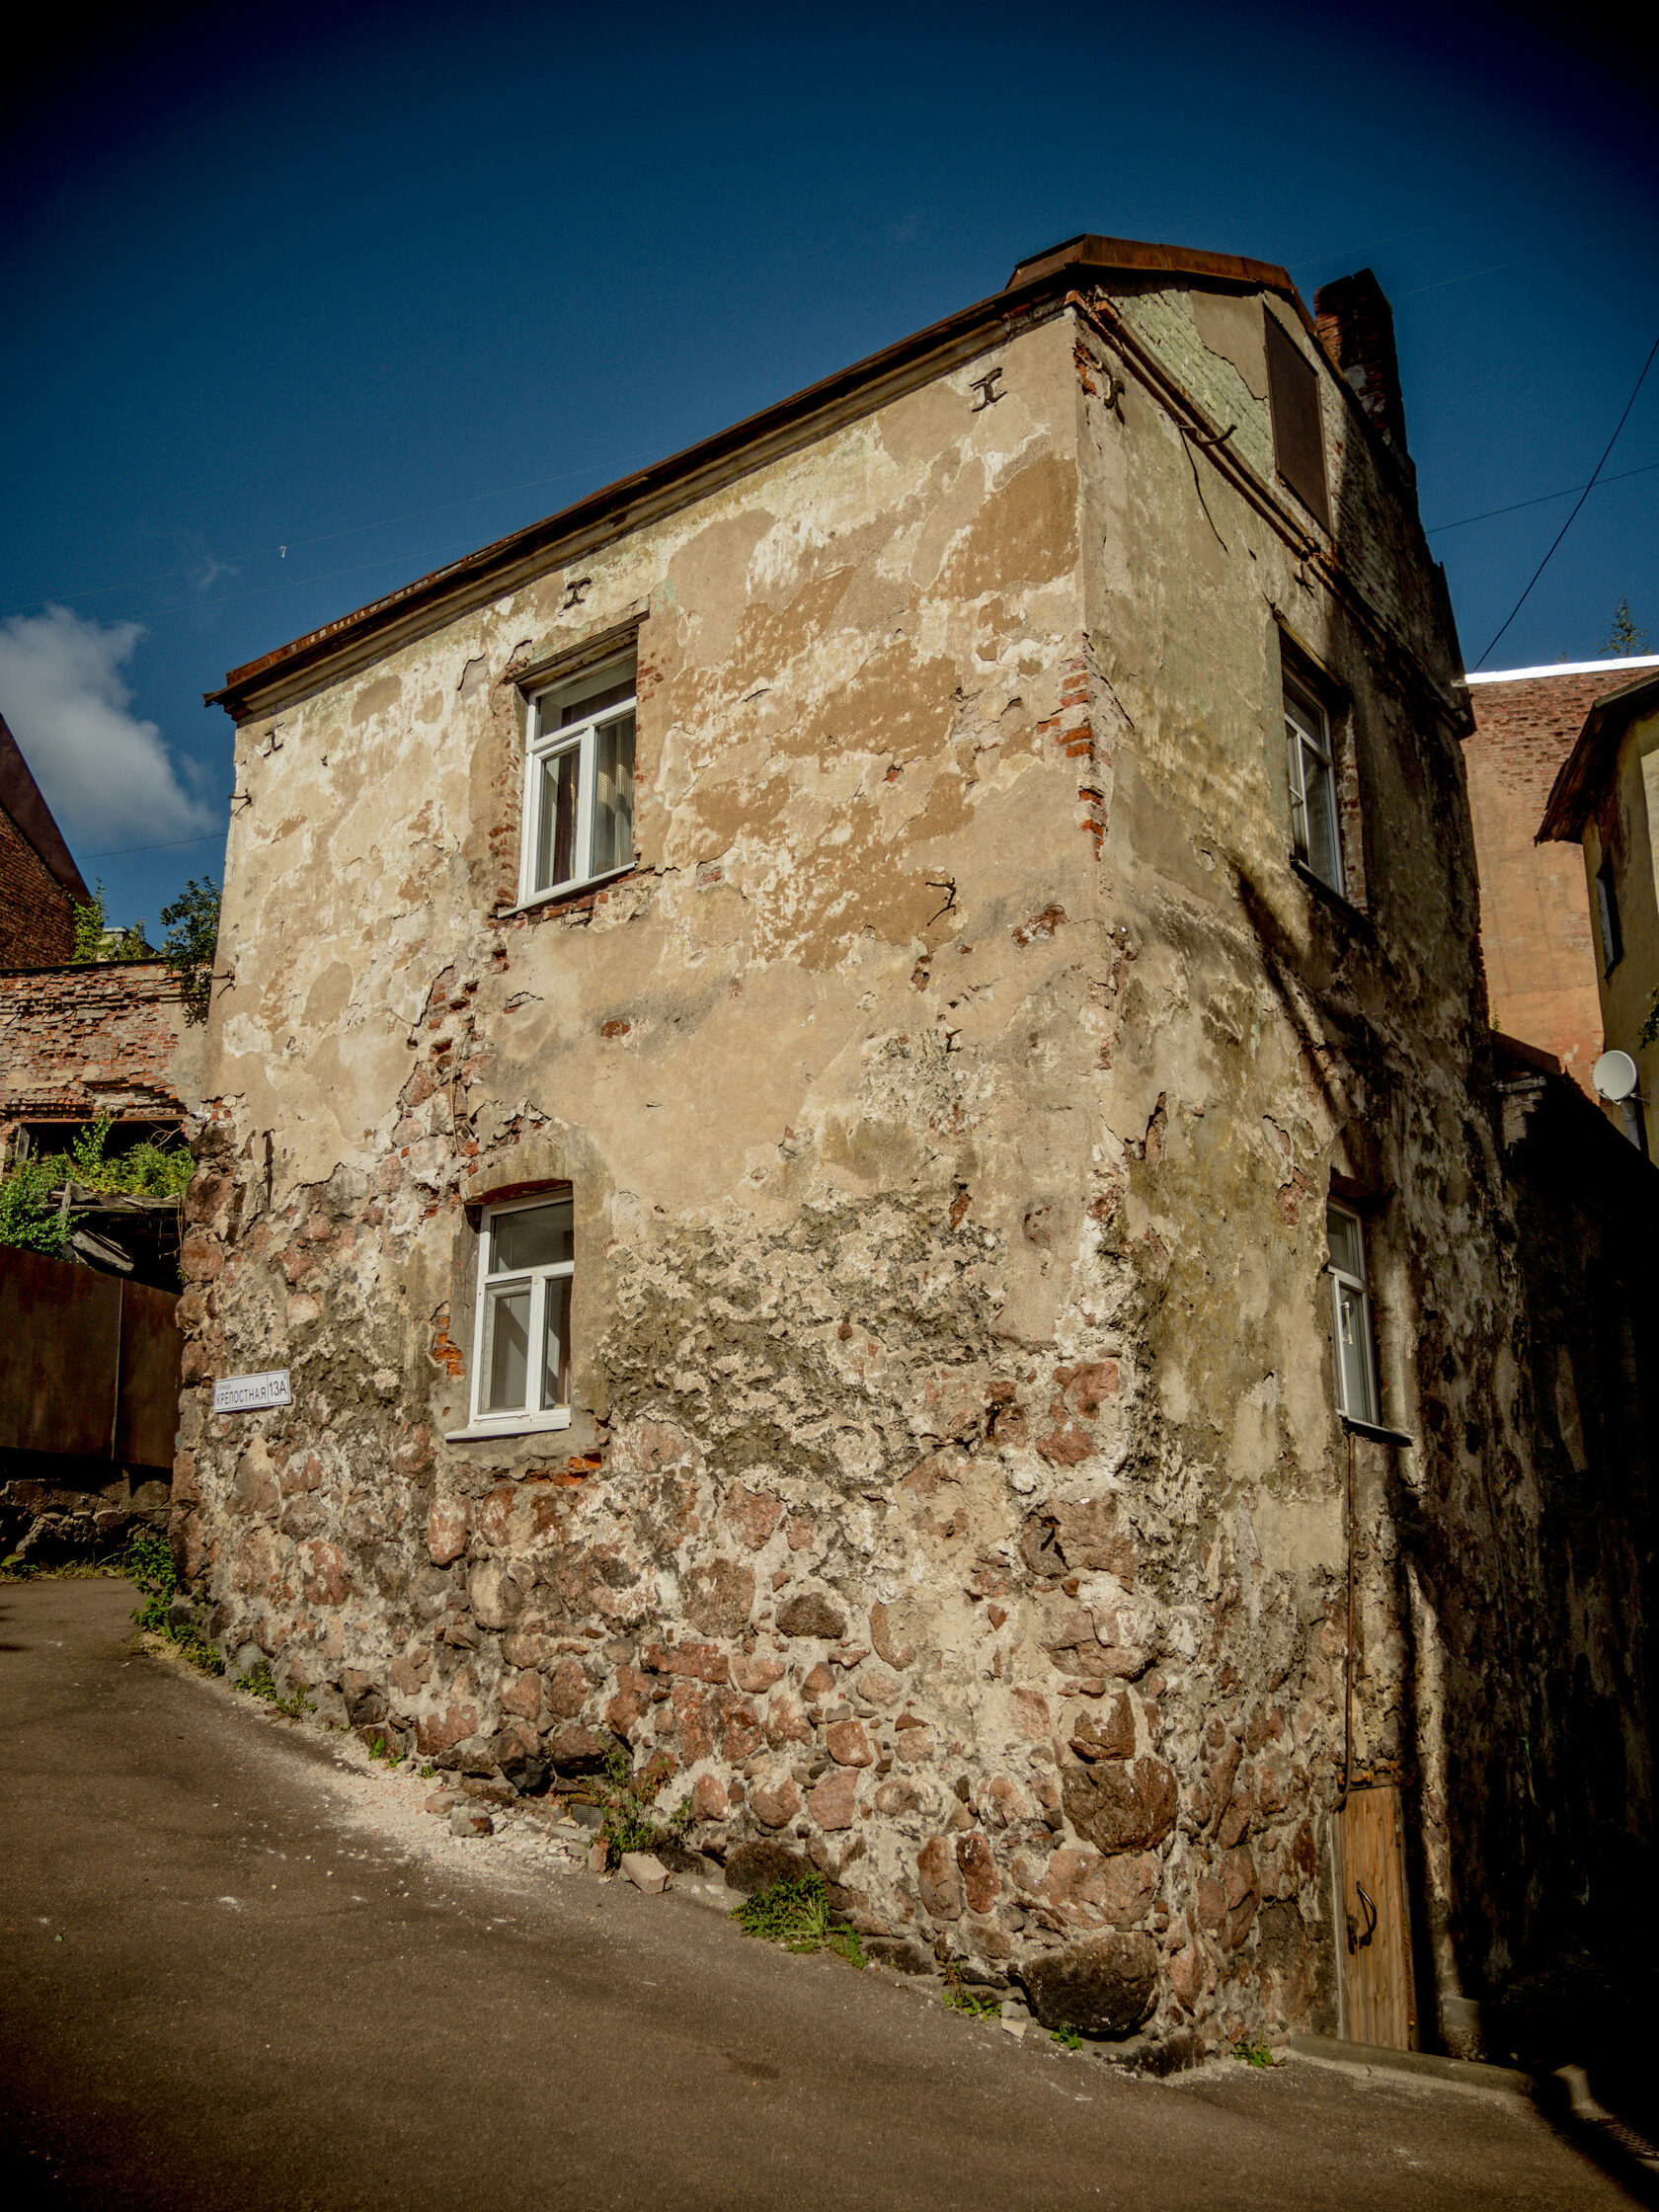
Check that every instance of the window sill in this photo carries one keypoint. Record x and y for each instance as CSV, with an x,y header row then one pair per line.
x,y
1334,899
566,890
1376,1433
533,1424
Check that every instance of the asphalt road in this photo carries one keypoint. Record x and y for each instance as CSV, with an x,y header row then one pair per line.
x,y
217,1989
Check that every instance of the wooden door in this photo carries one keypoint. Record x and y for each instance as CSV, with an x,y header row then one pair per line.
x,y
1373,1921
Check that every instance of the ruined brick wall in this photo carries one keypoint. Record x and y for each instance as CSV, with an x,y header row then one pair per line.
x,y
949,1097
1535,906
110,1038
36,918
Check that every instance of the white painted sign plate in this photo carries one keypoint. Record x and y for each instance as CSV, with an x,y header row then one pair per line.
x,y
252,1394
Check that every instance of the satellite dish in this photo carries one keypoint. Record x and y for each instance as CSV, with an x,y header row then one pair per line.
x,y
1615,1077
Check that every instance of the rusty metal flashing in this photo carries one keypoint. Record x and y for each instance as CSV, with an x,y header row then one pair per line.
x,y
1088,254
1572,796
1039,290
632,501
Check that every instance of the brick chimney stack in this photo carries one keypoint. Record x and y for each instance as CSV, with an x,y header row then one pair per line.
x,y
1356,327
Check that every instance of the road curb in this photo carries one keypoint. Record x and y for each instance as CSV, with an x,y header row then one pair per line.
x,y
1421,2066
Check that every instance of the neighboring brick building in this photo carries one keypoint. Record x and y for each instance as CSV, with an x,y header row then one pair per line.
x,y
1535,908
78,1042
858,1093
1605,800
39,884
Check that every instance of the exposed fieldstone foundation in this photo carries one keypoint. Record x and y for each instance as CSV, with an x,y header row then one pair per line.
x,y
1006,1699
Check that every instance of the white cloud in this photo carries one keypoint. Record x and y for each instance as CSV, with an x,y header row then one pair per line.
x,y
106,776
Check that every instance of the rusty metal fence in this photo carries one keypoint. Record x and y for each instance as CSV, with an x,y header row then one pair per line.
x,y
89,1364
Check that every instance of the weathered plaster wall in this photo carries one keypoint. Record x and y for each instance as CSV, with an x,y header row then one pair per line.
x,y
950,1096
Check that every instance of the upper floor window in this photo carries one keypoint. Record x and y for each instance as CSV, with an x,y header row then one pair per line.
x,y
1298,438
1315,836
1356,1353
579,781
521,1363
1606,913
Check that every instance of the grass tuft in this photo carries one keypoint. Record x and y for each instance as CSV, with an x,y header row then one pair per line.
x,y
797,1914
149,1563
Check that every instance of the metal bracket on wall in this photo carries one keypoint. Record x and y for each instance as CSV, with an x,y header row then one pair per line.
x,y
1359,1943
987,388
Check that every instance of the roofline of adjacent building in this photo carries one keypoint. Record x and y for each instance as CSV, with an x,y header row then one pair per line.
x,y
1573,793
1037,285
85,967
22,800
1566,667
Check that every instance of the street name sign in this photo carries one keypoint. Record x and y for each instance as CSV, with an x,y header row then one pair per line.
x,y
252,1394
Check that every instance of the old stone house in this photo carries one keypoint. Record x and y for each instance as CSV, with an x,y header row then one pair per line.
x,y
855,1092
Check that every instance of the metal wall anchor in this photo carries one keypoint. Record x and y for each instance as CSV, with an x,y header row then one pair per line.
x,y
1359,1943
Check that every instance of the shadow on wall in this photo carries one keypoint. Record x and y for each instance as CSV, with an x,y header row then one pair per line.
x,y
1521,1537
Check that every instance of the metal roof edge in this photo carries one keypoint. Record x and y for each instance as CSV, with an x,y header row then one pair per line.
x,y
486,568
1563,668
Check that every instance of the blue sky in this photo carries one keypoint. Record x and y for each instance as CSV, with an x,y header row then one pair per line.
x,y
378,285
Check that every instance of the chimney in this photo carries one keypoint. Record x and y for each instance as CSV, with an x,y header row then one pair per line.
x,y
1356,327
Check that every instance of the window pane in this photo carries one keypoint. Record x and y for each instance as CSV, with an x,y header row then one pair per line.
x,y
1299,796
531,1236
1353,1350
506,1349
1321,789
555,1351
556,820
613,795
1347,1245
580,708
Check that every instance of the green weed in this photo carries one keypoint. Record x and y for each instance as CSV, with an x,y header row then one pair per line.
x,y
149,1564
1067,2037
630,1821
797,1914
978,2003
31,1216
258,1681
1254,2054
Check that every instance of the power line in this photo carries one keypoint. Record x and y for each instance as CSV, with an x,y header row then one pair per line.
x,y
176,844
1582,497
1543,498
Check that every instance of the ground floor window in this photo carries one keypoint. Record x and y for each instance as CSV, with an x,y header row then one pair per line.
x,y
521,1368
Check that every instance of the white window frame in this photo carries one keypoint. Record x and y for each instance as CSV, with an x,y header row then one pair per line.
x,y
1358,1289
1307,729
581,737
527,1420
